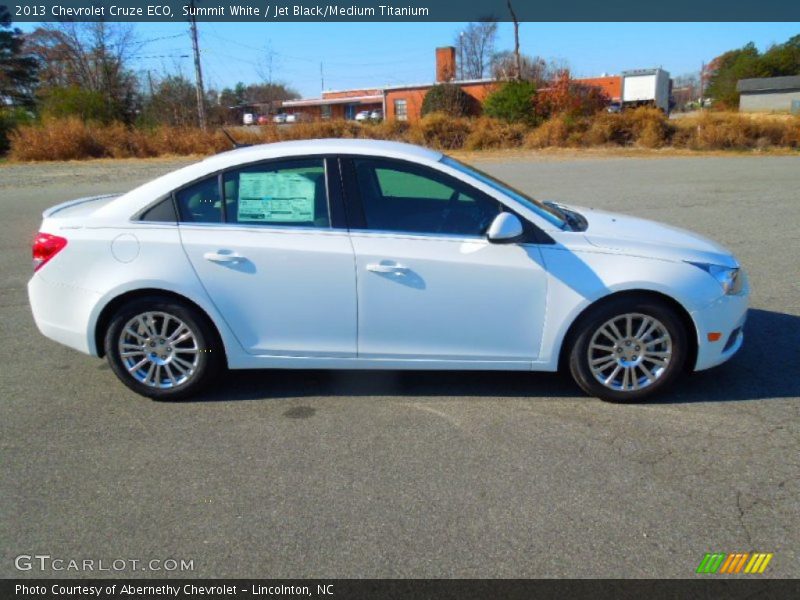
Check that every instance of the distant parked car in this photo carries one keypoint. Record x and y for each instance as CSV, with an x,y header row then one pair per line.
x,y
363,115
263,119
279,118
248,118
376,115
361,254
614,107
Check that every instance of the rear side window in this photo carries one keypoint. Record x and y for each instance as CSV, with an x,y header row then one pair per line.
x,y
162,212
288,193
200,202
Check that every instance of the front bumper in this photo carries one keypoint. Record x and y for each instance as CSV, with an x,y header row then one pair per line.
x,y
63,312
727,316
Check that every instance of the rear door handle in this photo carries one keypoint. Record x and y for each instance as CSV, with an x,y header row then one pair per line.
x,y
387,268
223,257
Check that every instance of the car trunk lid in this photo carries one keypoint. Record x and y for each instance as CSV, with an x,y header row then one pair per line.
x,y
78,208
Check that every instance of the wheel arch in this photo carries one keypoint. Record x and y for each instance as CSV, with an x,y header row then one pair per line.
x,y
105,316
680,310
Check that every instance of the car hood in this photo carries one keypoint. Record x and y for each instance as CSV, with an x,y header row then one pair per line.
x,y
642,237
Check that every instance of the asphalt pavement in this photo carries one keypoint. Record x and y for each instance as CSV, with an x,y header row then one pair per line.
x,y
407,474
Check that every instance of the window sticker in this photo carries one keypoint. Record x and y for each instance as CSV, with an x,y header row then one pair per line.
x,y
275,198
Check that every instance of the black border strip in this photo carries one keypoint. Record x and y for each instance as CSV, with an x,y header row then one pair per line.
x,y
397,589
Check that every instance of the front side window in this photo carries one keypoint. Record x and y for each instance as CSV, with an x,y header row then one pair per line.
x,y
288,193
398,196
547,212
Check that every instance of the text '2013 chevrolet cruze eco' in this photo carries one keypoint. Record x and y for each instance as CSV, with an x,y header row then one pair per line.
x,y
356,254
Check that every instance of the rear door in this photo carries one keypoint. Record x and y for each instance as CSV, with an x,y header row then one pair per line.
x,y
269,248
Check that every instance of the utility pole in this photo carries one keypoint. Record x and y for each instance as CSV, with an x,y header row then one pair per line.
x,y
517,58
321,77
461,55
702,91
198,71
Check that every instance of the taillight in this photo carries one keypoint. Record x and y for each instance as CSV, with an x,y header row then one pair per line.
x,y
45,247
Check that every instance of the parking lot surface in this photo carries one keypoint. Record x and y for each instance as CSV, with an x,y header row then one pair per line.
x,y
407,474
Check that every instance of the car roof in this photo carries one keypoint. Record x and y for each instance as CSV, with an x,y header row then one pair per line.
x,y
138,198
321,146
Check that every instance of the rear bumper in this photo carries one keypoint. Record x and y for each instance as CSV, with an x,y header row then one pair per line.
x,y
63,312
727,316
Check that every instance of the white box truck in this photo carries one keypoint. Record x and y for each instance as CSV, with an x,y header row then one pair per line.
x,y
646,87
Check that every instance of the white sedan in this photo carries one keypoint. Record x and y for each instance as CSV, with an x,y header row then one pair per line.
x,y
354,254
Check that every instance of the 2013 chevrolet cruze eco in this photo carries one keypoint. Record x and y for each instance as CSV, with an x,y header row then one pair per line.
x,y
352,254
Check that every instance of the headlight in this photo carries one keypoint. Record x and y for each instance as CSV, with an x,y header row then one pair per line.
x,y
731,279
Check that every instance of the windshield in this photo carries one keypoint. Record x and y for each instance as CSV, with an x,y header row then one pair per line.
x,y
550,213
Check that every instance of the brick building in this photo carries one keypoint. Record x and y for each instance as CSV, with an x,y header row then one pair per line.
x,y
401,102
404,102
610,84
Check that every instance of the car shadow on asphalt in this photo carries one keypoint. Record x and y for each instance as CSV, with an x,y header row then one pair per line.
x,y
767,366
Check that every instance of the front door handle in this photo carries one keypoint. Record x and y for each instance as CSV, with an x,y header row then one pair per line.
x,y
223,257
387,268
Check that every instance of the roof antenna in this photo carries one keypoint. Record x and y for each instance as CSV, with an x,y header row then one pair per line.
x,y
233,141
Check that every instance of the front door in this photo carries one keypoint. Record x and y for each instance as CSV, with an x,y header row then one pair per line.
x,y
430,286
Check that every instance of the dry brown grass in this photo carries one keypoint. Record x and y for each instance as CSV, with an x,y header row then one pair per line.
x,y
72,139
491,134
732,131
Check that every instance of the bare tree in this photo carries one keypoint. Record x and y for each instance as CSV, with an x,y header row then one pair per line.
x,y
506,65
476,47
93,57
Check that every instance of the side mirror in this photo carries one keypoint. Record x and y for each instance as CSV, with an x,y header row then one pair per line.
x,y
505,229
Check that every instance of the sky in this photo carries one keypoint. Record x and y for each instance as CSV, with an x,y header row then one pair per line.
x,y
355,55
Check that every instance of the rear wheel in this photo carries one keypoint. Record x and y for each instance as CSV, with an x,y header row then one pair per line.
x,y
162,349
628,349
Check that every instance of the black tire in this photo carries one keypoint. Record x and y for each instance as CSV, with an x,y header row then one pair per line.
x,y
594,320
209,351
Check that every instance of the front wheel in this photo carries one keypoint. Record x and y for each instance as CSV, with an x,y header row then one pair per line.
x,y
629,349
162,349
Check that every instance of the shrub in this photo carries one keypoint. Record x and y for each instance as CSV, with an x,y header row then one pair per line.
x,y
73,139
63,102
566,96
561,131
513,103
492,133
62,139
438,130
647,127
449,99
608,129
720,132
10,119
387,130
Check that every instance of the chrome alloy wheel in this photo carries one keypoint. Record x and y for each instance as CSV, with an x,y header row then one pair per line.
x,y
159,350
630,352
